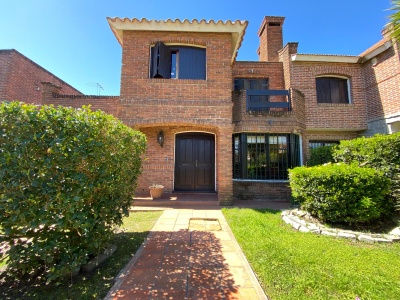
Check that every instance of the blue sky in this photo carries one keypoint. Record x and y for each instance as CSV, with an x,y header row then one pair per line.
x,y
72,39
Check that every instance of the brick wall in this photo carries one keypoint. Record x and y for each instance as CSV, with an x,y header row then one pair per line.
x,y
20,78
271,39
257,190
285,55
271,121
261,70
326,115
382,84
176,105
51,94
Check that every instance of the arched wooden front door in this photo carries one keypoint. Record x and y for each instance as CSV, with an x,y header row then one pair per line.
x,y
195,162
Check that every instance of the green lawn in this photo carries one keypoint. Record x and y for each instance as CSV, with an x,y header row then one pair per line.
x,y
94,285
294,265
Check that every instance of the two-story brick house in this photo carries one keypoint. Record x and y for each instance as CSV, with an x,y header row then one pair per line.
x,y
214,124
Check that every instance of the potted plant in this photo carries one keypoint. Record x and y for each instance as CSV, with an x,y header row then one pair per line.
x,y
156,190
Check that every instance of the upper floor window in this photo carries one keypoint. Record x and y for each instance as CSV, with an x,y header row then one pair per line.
x,y
181,62
332,90
250,84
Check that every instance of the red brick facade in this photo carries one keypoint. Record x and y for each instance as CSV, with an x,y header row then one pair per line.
x,y
210,105
20,78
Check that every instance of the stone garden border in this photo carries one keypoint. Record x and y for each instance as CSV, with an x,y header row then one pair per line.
x,y
302,221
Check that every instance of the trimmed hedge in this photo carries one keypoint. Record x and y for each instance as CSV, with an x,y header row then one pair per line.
x,y
341,193
67,178
321,155
381,152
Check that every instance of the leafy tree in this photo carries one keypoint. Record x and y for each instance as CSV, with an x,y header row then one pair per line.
x,y
394,23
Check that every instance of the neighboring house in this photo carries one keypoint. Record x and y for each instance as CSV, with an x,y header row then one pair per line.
x,y
214,124
20,78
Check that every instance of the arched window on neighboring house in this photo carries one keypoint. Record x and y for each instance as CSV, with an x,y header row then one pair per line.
x,y
333,89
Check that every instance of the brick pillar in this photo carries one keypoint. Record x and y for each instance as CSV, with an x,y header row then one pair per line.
x,y
271,39
224,166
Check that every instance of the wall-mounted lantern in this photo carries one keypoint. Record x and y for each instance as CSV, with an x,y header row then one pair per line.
x,y
160,138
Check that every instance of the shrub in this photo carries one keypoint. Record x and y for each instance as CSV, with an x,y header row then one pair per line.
x,y
67,178
341,193
321,155
380,152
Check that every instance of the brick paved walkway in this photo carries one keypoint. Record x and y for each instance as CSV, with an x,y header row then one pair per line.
x,y
187,257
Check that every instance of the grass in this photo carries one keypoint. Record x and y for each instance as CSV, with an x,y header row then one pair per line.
x,y
294,265
89,286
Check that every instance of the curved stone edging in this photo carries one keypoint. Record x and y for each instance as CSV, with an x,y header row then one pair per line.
x,y
296,218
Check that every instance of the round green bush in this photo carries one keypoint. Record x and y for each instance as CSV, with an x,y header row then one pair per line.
x,y
341,193
380,152
321,155
67,178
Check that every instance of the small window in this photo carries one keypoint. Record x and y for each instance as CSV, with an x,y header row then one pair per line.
x,y
317,144
250,84
178,62
332,90
254,101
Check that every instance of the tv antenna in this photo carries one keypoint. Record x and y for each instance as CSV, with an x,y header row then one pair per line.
x,y
98,87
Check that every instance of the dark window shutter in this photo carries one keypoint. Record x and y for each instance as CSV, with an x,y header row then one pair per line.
x,y
335,93
161,61
192,63
343,91
323,90
332,90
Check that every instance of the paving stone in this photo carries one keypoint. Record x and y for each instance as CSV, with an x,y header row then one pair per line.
x,y
328,233
304,229
393,238
312,226
346,235
395,231
286,219
295,225
366,238
382,240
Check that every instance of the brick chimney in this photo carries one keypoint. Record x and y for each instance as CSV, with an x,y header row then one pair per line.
x,y
271,40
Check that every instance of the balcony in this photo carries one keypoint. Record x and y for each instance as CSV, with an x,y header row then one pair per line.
x,y
259,101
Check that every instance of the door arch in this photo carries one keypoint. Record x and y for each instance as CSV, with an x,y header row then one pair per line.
x,y
195,162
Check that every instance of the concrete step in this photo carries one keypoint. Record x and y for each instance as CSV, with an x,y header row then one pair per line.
x,y
179,200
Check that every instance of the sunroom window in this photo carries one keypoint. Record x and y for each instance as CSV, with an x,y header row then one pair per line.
x,y
332,90
317,144
180,62
263,156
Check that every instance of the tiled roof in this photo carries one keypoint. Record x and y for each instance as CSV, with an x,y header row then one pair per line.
x,y
236,28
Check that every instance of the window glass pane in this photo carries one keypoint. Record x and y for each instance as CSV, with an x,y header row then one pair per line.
x,y
266,156
174,55
256,157
317,144
177,62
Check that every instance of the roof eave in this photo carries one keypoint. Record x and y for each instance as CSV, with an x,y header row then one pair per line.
x,y
377,51
325,58
236,29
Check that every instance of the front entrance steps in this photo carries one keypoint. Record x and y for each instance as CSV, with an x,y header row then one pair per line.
x,y
179,200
